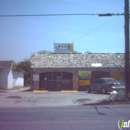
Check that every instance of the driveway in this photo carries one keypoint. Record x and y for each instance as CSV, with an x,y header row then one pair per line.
x,y
25,98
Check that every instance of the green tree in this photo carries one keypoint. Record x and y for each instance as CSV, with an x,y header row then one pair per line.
x,y
76,52
25,65
44,52
89,52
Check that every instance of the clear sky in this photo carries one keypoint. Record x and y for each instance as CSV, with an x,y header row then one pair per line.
x,y
22,36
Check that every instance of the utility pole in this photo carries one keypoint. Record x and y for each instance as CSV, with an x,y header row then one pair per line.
x,y
127,50
127,46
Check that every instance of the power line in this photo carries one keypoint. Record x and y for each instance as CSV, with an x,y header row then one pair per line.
x,y
65,2
30,15
107,14
22,15
59,1
93,30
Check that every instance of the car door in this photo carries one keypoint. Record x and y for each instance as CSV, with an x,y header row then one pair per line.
x,y
100,83
94,85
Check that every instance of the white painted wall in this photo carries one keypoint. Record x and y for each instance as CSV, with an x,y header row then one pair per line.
x,y
4,77
10,80
18,78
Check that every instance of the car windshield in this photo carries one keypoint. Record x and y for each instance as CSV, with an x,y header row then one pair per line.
x,y
111,80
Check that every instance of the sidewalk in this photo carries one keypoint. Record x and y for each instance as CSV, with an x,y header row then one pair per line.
x,y
24,98
15,89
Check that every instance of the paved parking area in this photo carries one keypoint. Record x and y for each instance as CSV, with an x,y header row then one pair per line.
x,y
20,98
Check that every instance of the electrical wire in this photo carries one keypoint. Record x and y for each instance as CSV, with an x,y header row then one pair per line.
x,y
22,15
27,15
93,30
17,2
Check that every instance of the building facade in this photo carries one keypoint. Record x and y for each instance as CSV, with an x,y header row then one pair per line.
x,y
74,71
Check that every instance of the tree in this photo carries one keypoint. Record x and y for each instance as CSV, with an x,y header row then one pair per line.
x,y
89,52
76,52
26,66
44,52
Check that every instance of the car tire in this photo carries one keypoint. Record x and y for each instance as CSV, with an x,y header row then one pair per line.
x,y
103,91
88,89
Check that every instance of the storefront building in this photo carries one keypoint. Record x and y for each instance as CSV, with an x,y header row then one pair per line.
x,y
56,72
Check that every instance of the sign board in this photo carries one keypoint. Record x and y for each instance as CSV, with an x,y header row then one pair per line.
x,y
84,82
116,75
96,64
63,48
35,77
83,74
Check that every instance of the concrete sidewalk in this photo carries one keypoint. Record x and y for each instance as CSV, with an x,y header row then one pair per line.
x,y
26,98
15,89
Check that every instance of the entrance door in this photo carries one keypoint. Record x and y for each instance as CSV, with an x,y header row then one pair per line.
x,y
43,81
66,81
56,81
53,84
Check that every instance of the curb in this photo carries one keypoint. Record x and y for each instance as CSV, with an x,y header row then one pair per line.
x,y
40,91
63,91
69,91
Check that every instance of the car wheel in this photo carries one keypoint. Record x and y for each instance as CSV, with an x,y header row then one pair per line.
x,y
88,90
104,91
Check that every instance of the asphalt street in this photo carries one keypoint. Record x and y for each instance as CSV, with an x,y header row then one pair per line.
x,y
93,117
26,110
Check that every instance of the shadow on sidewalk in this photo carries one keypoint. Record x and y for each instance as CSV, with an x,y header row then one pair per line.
x,y
29,89
107,102
3,90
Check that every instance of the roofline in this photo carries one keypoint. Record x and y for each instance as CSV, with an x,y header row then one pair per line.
x,y
107,69
83,53
13,63
7,61
20,70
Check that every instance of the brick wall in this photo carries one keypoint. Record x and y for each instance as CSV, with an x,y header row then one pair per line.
x,y
35,85
75,80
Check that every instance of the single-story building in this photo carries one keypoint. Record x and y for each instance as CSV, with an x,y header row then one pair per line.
x,y
54,71
9,76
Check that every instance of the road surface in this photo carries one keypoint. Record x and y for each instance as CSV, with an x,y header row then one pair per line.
x,y
86,117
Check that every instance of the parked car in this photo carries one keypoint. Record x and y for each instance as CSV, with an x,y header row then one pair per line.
x,y
105,85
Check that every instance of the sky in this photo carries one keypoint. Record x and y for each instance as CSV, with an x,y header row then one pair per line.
x,y
20,37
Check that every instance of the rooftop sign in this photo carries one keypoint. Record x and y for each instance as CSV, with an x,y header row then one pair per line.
x,y
63,47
